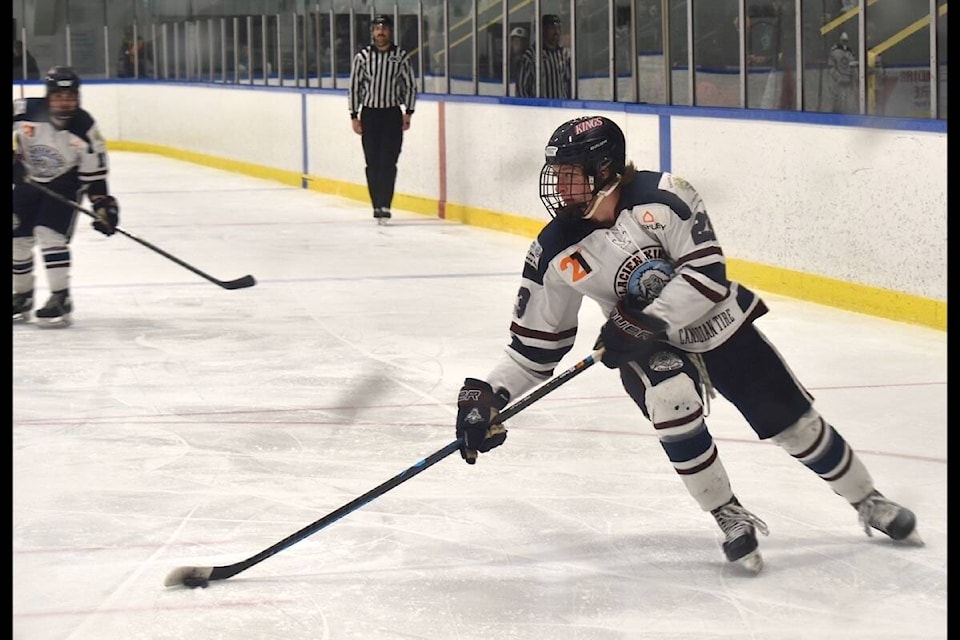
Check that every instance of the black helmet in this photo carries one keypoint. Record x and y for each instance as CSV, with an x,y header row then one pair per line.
x,y
62,79
58,80
593,143
382,19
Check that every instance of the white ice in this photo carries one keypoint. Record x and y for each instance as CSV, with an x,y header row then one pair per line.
x,y
178,423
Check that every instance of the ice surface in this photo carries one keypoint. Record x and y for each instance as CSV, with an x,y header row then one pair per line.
x,y
177,423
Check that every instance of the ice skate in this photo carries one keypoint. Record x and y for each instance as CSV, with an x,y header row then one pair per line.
x,y
56,313
22,305
740,528
378,215
886,516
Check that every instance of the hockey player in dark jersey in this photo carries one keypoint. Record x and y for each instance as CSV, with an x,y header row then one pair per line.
x,y
55,143
640,244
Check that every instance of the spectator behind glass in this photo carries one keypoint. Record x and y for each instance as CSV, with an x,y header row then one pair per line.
x,y
519,41
844,75
33,71
133,54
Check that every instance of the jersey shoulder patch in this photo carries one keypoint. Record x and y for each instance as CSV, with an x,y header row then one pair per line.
x,y
682,192
551,241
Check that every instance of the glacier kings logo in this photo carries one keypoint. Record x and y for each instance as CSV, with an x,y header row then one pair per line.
x,y
642,279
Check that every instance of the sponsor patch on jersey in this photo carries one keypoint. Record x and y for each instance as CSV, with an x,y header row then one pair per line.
x,y
663,361
648,220
28,130
685,191
533,254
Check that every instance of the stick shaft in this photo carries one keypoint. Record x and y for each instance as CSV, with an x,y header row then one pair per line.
x,y
221,573
239,283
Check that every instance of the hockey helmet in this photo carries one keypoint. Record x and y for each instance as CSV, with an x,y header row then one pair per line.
x,y
592,143
62,80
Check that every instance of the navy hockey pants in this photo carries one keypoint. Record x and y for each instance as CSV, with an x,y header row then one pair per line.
x,y
746,370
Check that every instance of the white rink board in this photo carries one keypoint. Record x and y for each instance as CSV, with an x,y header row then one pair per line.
x,y
856,204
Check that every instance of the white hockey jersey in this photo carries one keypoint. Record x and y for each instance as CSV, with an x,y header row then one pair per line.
x,y
661,217
49,153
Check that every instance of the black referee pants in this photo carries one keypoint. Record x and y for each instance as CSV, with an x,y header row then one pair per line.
x,y
382,138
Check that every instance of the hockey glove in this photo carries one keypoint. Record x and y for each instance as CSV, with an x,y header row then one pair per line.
x,y
477,408
108,215
627,334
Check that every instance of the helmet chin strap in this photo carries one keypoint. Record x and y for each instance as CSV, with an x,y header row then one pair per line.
x,y
599,197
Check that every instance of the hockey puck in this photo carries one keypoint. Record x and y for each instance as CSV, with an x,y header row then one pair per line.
x,y
195,581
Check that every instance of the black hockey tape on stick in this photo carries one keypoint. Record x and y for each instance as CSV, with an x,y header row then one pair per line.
x,y
201,576
239,283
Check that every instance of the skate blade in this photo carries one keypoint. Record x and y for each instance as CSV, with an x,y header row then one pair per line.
x,y
913,539
54,323
21,318
752,562
382,222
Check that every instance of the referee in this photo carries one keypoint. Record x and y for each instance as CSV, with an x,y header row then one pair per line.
x,y
381,80
555,64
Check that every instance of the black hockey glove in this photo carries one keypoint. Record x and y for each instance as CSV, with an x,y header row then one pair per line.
x,y
627,334
477,408
108,215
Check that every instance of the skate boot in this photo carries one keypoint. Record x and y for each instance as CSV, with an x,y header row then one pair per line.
x,y
378,215
56,313
877,512
22,304
740,527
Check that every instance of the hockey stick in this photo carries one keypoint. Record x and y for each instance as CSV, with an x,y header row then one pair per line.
x,y
239,283
200,576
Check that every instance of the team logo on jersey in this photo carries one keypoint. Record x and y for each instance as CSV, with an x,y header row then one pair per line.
x,y
619,237
28,130
643,280
47,162
663,361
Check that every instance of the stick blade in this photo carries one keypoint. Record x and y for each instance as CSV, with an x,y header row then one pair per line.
x,y
187,576
239,283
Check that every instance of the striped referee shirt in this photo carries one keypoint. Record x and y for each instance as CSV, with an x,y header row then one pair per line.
x,y
554,74
381,79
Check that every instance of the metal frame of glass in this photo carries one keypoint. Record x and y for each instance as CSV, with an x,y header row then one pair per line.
x,y
671,52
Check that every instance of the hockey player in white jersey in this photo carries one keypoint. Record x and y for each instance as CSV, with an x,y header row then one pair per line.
x,y
640,244
55,143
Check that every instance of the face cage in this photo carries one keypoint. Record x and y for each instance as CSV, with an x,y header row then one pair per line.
x,y
554,202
